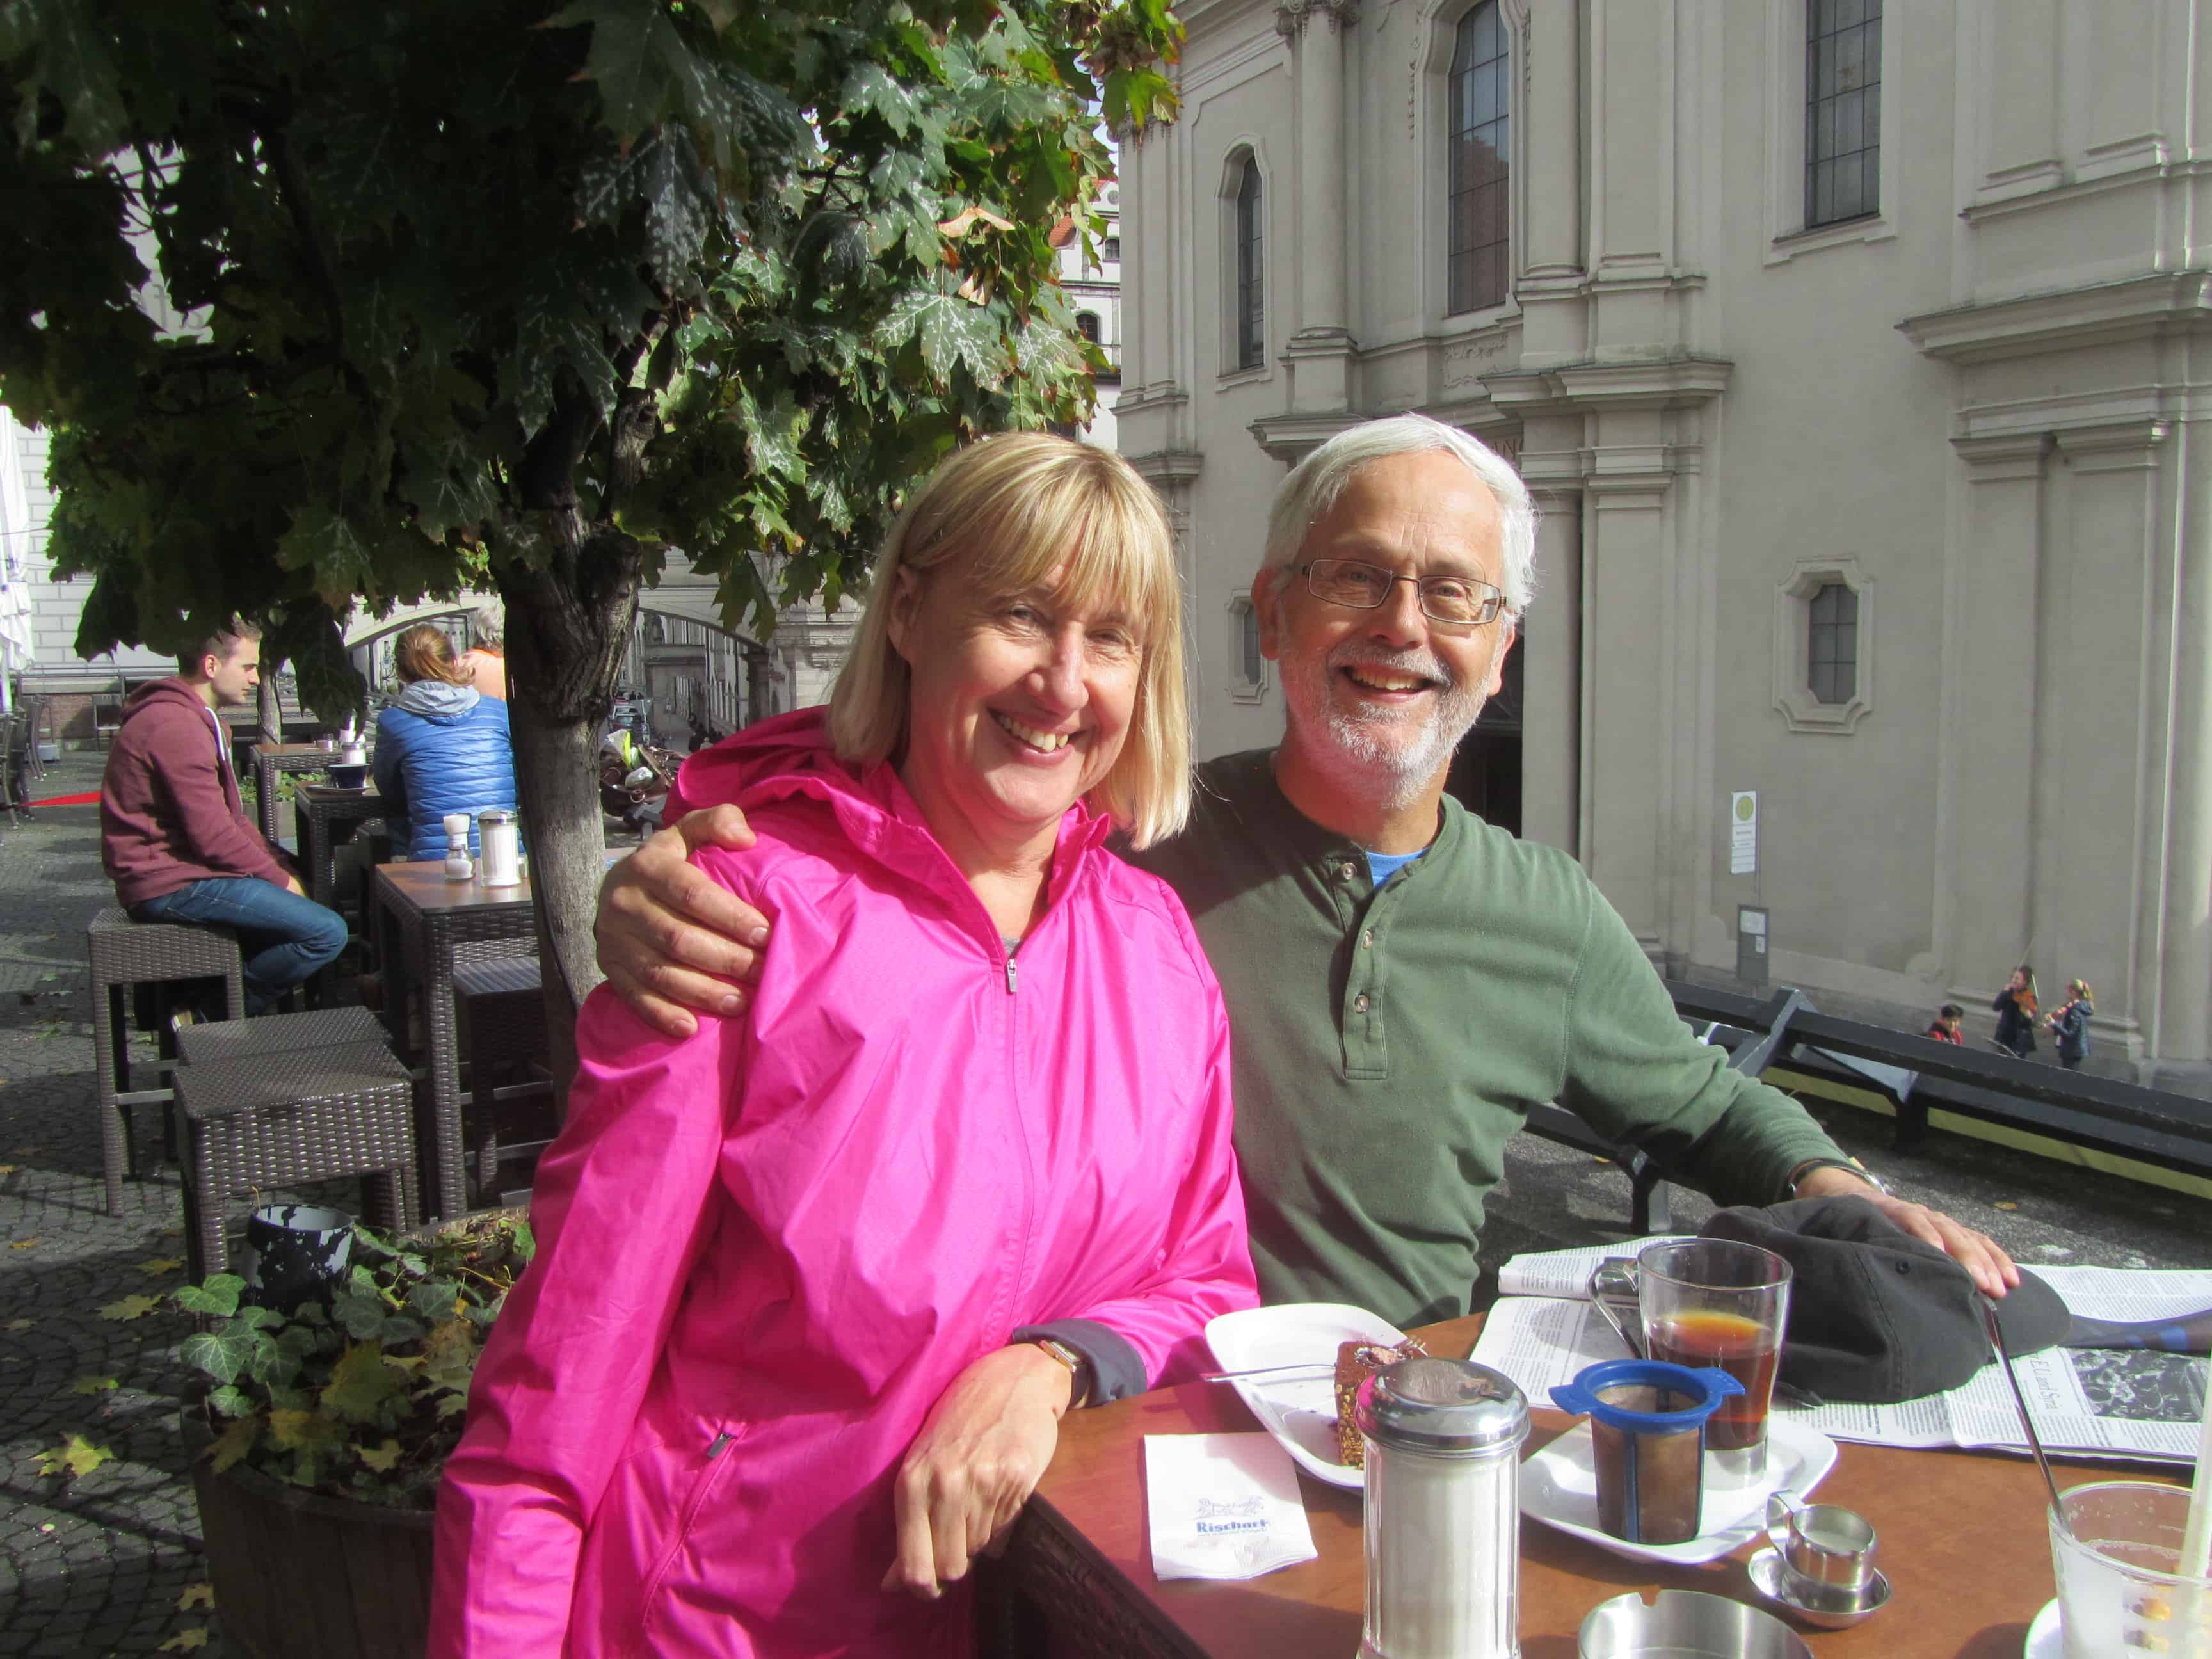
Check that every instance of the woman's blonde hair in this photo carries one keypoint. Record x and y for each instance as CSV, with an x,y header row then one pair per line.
x,y
423,653
1014,512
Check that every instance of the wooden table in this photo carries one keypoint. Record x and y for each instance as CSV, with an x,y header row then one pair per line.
x,y
327,817
1962,1533
271,759
427,921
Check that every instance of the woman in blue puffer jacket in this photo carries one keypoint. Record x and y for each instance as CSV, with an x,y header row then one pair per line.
x,y
442,748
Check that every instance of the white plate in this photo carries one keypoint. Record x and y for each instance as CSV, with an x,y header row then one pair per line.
x,y
1558,1486
1301,1413
2046,1637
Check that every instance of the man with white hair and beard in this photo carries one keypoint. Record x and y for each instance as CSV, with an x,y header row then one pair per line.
x,y
1403,981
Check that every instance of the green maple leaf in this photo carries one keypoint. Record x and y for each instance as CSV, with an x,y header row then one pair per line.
x,y
361,1383
634,60
93,1385
196,1595
949,330
162,1264
74,1456
130,1306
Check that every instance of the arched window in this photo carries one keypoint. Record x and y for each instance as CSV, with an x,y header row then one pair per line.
x,y
1086,325
1478,235
1251,300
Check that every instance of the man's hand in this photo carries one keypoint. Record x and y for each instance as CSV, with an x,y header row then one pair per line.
x,y
1983,1258
665,930
974,1464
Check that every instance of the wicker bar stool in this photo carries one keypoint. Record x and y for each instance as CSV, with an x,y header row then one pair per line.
x,y
499,1000
127,954
276,1034
279,1120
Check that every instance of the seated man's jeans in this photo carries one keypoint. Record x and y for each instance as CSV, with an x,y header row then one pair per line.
x,y
281,937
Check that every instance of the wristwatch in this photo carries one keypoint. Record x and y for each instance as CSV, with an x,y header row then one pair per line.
x,y
1851,1166
1079,1368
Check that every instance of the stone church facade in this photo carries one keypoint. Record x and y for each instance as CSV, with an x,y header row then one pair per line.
x,y
1860,358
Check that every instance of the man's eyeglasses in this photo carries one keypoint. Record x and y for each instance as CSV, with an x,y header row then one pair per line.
x,y
1460,600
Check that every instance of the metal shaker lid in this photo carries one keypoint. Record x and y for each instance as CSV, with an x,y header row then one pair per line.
x,y
496,815
1443,1408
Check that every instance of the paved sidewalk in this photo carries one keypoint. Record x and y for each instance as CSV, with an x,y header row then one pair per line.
x,y
98,1563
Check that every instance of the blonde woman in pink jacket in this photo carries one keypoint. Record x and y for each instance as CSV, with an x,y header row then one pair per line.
x,y
815,1284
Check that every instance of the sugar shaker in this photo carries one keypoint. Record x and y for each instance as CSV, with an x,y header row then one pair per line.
x,y
1443,1510
500,836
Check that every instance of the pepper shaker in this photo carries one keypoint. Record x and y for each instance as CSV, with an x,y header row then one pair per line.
x,y
1443,1510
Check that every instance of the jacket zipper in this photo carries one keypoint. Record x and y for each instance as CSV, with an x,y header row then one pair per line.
x,y
1013,979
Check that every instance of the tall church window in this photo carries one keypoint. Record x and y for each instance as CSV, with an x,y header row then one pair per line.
x,y
1843,110
1251,298
1478,233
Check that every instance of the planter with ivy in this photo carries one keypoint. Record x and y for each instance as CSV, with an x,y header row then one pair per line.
x,y
317,1448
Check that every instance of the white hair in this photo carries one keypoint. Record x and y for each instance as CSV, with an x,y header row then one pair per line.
x,y
1305,497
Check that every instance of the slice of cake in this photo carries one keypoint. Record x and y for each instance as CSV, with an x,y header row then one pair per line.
x,y
1355,1363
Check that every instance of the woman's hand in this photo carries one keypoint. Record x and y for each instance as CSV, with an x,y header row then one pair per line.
x,y
978,1457
663,929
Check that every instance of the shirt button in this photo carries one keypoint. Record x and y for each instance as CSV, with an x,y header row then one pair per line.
x,y
1347,870
1360,1002
1367,939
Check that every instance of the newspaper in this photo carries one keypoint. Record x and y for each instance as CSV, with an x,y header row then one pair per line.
x,y
2102,1402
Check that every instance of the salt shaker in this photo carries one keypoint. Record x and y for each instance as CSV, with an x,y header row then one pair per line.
x,y
458,865
1443,1510
500,838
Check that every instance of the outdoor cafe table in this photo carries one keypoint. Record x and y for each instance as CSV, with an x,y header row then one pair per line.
x,y
428,919
1962,1537
270,759
327,817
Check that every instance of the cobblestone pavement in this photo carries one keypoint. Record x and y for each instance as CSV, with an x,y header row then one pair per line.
x,y
98,1562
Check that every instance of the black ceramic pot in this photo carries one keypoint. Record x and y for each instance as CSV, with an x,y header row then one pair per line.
x,y
295,1252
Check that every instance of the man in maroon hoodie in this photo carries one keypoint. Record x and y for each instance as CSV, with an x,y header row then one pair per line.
x,y
174,837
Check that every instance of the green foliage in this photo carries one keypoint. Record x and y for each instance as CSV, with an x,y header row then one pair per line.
x,y
364,1400
491,291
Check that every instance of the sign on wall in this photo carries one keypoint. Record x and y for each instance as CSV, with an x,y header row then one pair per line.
x,y
1743,833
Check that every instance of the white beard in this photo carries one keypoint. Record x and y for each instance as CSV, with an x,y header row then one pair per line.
x,y
1379,752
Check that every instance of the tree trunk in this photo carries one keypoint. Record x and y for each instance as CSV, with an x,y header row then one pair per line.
x,y
565,639
271,708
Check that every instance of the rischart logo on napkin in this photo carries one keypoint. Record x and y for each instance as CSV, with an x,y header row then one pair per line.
x,y
1223,1506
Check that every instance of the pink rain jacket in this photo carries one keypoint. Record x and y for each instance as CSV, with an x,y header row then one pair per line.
x,y
765,1251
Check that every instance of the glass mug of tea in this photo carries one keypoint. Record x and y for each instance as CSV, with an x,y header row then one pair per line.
x,y
1712,1301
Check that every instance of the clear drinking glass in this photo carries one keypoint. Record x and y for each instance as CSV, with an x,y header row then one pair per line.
x,y
1712,1301
2118,1588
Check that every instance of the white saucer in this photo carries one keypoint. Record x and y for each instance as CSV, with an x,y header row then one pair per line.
x,y
2046,1639
1299,1412
1558,1486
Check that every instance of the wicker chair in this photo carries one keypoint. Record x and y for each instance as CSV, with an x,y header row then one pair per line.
x,y
279,1120
126,955
499,1000
277,1034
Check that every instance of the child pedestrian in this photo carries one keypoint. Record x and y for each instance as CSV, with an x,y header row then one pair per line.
x,y
2070,1020
2015,1006
1948,1019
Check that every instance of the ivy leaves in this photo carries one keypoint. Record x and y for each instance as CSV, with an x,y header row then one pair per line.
x,y
364,1397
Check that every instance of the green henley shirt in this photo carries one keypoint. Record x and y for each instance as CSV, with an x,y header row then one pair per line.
x,y
1388,1042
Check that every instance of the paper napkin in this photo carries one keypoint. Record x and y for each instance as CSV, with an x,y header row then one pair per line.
x,y
1223,1506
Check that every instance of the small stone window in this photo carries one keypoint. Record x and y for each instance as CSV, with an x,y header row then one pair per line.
x,y
1831,646
1824,631
1248,667
1251,298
